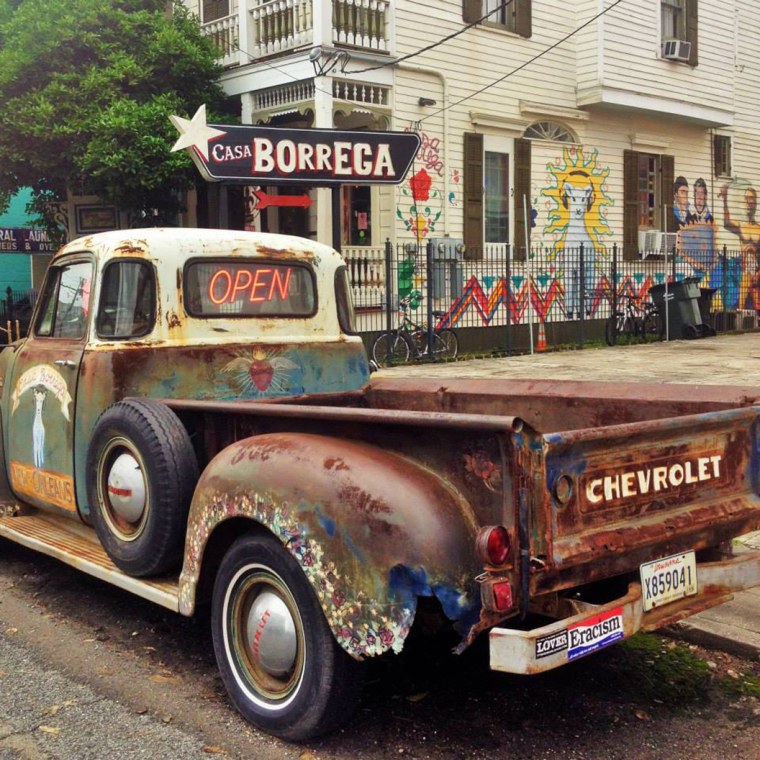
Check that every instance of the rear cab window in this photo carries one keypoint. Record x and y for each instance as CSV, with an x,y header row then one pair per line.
x,y
247,288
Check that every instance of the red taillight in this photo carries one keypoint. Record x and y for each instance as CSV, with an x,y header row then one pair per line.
x,y
493,544
502,596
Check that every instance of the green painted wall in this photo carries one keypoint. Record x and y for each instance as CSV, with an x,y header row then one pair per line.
x,y
15,272
16,268
15,215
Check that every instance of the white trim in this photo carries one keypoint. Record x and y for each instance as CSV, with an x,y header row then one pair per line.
x,y
554,112
664,107
645,143
515,127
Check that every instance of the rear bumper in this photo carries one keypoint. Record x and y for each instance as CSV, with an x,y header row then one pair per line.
x,y
594,627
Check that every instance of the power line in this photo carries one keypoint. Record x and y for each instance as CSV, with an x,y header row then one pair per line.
x,y
434,44
522,65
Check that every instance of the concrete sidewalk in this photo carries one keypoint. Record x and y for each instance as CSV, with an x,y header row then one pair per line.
x,y
722,360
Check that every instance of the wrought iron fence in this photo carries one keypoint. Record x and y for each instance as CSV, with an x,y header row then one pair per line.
x,y
502,302
15,313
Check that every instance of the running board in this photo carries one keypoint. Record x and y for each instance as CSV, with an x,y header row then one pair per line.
x,y
77,545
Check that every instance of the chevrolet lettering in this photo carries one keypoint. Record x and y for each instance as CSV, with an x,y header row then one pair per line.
x,y
652,480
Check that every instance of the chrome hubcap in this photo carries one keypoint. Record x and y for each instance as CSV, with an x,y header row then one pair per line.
x,y
126,488
271,634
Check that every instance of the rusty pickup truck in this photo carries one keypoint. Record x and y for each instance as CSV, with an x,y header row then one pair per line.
x,y
192,418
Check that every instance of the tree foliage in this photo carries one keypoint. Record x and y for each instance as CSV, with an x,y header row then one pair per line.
x,y
87,87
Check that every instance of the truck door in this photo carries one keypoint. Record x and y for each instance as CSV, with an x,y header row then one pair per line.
x,y
40,443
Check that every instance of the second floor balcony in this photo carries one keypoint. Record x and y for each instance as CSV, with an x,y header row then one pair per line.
x,y
258,29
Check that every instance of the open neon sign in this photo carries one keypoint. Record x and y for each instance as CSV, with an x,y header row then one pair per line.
x,y
259,285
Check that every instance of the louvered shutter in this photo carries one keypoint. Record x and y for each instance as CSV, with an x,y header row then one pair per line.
x,y
472,10
473,194
523,17
692,30
522,191
630,204
666,192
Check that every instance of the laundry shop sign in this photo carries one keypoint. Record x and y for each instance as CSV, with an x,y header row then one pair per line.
x,y
324,157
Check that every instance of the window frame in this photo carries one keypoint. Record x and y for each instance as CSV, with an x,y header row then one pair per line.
x,y
211,3
517,15
689,28
727,151
665,170
344,302
151,323
51,295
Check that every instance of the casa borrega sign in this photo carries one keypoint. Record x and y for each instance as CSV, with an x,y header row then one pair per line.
x,y
267,155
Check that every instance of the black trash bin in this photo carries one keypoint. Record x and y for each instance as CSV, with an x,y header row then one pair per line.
x,y
705,306
684,319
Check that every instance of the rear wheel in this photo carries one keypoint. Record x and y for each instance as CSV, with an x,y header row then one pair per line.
x,y
279,661
446,344
391,348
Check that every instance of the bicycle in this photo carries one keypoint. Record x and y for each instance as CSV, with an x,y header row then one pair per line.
x,y
635,321
410,340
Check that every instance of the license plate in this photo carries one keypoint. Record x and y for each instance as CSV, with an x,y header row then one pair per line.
x,y
665,580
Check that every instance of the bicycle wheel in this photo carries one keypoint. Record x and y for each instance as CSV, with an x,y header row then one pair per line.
x,y
390,348
653,327
446,344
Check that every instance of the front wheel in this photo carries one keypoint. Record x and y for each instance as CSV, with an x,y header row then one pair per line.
x,y
390,349
653,327
611,329
279,661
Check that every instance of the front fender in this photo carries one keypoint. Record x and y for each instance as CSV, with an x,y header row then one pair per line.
x,y
371,530
7,355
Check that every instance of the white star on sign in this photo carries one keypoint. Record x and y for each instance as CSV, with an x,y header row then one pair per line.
x,y
195,133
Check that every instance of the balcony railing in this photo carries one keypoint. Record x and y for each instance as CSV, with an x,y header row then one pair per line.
x,y
280,25
265,28
224,33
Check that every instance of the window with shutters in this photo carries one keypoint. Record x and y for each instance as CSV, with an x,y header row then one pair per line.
x,y
648,197
679,20
514,16
496,182
722,155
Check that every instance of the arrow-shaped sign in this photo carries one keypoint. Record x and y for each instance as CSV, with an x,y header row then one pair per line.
x,y
264,200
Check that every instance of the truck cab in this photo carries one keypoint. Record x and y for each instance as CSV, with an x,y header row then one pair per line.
x,y
166,314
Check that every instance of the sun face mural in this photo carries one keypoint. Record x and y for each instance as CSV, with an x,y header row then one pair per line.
x,y
576,205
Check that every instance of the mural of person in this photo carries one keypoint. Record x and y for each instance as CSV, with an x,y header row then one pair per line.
x,y
681,201
743,270
578,199
700,212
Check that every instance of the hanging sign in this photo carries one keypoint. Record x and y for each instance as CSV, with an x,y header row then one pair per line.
x,y
317,157
25,240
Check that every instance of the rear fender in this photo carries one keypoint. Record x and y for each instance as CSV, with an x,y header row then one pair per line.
x,y
371,530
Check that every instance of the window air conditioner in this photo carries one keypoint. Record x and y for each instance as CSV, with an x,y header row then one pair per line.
x,y
676,50
666,243
649,242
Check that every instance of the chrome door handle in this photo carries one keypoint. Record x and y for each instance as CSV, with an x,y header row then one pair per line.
x,y
65,363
